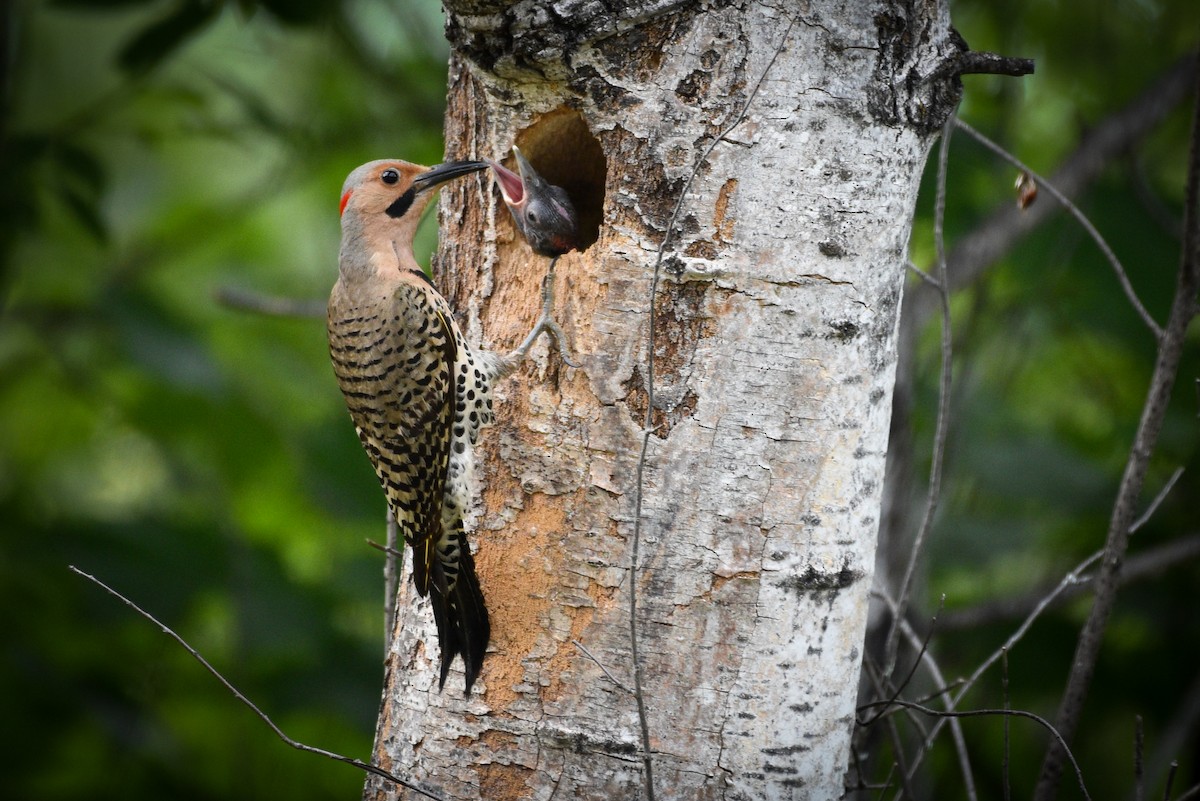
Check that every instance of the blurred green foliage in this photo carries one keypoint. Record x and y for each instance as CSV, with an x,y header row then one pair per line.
x,y
1051,372
197,457
200,459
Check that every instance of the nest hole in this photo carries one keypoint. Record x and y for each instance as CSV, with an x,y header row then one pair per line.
x,y
561,147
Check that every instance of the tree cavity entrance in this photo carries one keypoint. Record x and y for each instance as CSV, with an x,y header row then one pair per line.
x,y
563,150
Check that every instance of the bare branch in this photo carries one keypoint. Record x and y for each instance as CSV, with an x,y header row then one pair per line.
x,y
924,276
372,769
980,62
1144,565
1139,789
920,645
1170,781
1170,350
1154,206
976,252
888,781
270,305
956,733
382,548
1172,739
1002,652
1194,792
1004,690
1016,713
391,576
943,411
1158,499
877,680
939,679
1081,218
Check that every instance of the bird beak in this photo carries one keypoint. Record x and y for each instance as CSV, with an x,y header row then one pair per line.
x,y
444,172
523,166
512,185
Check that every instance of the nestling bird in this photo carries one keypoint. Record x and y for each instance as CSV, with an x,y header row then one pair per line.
x,y
542,211
544,215
417,394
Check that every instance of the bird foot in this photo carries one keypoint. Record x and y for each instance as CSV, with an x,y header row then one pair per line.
x,y
546,323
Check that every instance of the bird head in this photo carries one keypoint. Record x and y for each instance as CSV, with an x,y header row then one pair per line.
x,y
396,189
542,211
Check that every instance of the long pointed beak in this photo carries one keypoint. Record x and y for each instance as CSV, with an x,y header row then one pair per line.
x,y
445,172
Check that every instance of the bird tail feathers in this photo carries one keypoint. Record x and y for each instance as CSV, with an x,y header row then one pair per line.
x,y
461,617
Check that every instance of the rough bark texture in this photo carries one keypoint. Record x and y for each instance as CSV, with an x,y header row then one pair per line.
x,y
774,357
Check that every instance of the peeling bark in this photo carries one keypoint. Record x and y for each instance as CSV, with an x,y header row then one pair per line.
x,y
774,359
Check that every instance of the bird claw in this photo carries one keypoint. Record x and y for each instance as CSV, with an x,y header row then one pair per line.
x,y
545,323
552,328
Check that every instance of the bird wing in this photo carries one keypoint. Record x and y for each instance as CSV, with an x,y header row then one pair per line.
x,y
396,372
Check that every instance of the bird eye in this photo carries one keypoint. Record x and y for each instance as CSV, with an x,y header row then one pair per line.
x,y
389,176
532,217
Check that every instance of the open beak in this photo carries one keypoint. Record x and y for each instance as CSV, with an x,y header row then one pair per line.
x,y
523,166
512,185
444,172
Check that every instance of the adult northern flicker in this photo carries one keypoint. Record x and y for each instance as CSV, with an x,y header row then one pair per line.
x,y
417,394
544,215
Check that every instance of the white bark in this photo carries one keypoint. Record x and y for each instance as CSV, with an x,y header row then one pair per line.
x,y
774,360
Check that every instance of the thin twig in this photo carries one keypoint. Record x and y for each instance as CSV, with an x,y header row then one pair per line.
x,y
943,687
956,732
877,680
270,305
600,665
1005,761
943,410
1166,367
887,784
1080,217
980,62
884,690
1172,739
1016,713
935,672
924,276
379,546
1068,580
1139,790
1153,205
1151,562
372,769
922,647
1158,499
1194,792
1170,780
1109,139
648,424
392,565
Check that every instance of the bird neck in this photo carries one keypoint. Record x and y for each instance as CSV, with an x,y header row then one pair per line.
x,y
380,250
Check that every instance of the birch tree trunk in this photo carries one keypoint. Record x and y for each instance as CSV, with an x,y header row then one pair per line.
x,y
793,136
